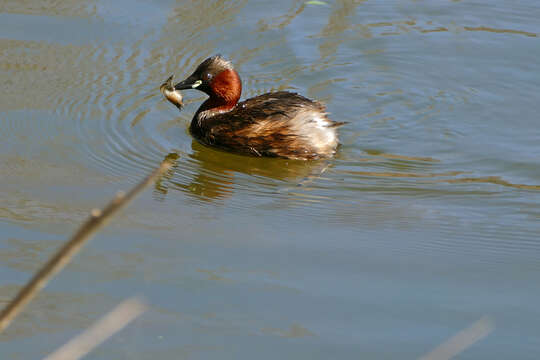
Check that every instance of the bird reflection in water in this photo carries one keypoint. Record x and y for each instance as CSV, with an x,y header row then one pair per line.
x,y
210,174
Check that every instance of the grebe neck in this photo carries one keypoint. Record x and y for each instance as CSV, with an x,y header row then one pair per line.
x,y
214,106
225,90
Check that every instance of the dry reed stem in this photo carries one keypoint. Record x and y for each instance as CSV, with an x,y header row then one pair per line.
x,y
108,325
462,340
62,257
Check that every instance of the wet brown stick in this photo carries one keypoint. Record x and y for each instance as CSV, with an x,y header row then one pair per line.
x,y
62,257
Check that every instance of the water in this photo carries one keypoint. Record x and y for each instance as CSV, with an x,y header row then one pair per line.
x,y
427,220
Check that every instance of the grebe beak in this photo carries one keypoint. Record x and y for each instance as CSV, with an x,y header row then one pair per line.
x,y
190,83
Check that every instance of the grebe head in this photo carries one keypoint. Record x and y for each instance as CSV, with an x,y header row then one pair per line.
x,y
216,77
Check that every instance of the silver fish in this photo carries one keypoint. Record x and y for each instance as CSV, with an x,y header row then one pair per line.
x,y
171,94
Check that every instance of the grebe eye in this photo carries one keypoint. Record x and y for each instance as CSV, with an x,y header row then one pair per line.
x,y
207,77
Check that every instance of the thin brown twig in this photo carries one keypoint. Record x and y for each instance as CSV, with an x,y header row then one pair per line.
x,y
62,257
108,325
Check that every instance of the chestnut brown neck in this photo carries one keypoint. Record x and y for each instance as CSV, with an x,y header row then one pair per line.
x,y
225,91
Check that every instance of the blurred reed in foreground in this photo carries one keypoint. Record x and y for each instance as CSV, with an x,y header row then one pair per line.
x,y
63,256
101,330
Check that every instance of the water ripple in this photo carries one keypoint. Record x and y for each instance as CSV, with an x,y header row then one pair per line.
x,y
107,95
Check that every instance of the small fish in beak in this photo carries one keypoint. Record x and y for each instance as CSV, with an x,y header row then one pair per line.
x,y
171,94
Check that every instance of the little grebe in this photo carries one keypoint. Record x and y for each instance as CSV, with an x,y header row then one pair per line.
x,y
277,124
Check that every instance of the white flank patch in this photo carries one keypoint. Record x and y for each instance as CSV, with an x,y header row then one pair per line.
x,y
313,126
320,121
